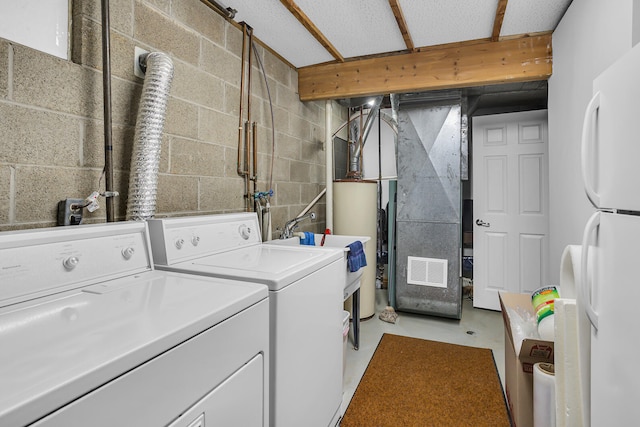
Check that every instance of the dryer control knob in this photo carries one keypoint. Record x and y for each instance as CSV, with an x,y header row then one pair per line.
x,y
179,243
245,232
195,240
127,253
70,262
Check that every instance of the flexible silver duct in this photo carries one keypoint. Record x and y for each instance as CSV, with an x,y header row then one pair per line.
x,y
145,160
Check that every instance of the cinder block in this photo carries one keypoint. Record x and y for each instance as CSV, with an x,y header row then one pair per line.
x,y
195,14
197,86
56,84
39,188
277,69
218,128
313,151
125,99
190,157
4,68
38,137
177,194
286,97
162,33
300,172
233,39
231,99
87,49
162,5
121,140
218,194
120,12
287,193
221,63
282,119
182,118
5,194
300,127
288,147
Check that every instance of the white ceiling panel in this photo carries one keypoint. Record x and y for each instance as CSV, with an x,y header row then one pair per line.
x,y
280,30
433,22
356,27
359,28
526,16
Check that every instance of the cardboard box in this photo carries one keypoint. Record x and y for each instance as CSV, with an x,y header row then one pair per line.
x,y
519,367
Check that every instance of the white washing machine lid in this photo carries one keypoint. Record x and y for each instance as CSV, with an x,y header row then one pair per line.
x,y
274,266
57,348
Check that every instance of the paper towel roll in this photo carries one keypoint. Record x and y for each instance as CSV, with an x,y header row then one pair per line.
x,y
570,270
544,395
546,328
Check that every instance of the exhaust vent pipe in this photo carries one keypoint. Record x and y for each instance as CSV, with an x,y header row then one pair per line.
x,y
355,148
145,160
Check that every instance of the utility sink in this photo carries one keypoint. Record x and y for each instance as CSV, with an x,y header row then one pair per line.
x,y
352,281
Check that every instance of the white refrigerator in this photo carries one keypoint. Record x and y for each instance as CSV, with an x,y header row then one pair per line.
x,y
609,292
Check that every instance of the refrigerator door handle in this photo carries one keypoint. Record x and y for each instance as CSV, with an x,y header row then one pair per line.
x,y
586,144
585,288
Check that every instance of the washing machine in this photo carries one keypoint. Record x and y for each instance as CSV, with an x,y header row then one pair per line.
x,y
92,335
305,299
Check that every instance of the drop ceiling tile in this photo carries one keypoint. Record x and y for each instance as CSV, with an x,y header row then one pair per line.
x,y
433,22
526,16
280,30
356,27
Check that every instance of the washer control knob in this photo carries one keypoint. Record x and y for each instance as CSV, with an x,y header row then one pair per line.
x,y
179,243
195,240
127,253
70,263
245,232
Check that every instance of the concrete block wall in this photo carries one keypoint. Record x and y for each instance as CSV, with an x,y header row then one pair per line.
x,y
51,111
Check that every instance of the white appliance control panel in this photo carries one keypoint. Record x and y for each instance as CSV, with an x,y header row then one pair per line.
x,y
34,264
180,239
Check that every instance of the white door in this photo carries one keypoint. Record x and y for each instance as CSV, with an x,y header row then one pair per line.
x,y
510,205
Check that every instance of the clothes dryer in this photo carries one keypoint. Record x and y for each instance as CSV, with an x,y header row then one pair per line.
x,y
305,298
91,334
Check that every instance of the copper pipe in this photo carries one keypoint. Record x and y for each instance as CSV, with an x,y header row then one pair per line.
x,y
250,34
245,172
254,134
240,113
249,130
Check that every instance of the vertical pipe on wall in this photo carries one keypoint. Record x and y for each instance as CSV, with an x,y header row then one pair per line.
x,y
106,93
328,144
247,152
254,148
243,165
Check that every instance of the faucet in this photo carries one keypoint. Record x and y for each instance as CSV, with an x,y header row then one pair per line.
x,y
293,224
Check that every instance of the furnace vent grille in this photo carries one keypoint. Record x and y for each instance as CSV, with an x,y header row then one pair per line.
x,y
427,271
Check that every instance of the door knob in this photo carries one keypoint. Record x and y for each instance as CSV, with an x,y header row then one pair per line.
x,y
481,223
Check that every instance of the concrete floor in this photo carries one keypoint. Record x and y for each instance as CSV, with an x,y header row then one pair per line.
x,y
477,328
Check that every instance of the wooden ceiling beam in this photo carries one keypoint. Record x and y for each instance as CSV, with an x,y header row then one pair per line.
x,y
402,24
311,27
476,63
497,22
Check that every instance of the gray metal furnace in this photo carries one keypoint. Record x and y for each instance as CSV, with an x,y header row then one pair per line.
x,y
428,217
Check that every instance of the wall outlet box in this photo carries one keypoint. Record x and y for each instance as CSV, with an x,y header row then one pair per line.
x,y
69,213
